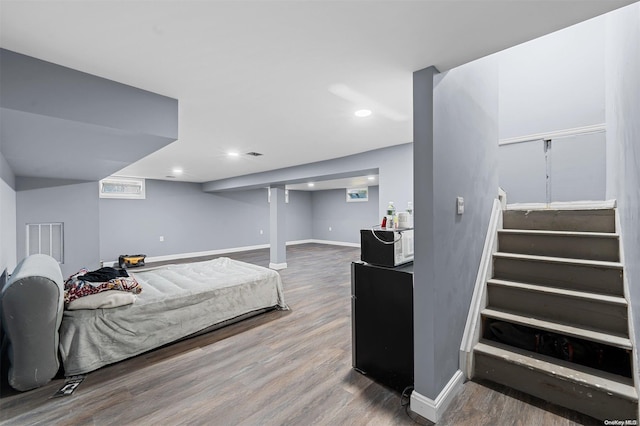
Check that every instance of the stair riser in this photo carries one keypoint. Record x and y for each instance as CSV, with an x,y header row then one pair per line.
x,y
593,402
561,220
573,277
591,248
599,316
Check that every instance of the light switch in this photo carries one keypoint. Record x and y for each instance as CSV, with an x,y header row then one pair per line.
x,y
161,238
460,204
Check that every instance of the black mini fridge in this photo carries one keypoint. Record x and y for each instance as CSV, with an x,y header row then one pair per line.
x,y
382,316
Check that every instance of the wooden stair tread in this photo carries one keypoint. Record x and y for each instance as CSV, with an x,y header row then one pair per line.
x,y
595,297
618,341
602,381
562,260
559,233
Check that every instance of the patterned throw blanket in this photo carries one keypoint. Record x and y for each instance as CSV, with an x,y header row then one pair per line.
x,y
76,287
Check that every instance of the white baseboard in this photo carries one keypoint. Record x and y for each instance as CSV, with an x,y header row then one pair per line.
x,y
278,266
335,243
433,410
178,256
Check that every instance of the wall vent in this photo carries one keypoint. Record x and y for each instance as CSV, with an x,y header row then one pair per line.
x,y
254,154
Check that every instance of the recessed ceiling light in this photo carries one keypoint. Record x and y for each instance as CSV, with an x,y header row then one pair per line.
x,y
233,154
176,171
311,184
371,178
363,113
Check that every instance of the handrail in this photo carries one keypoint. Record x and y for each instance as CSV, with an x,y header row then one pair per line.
x,y
471,334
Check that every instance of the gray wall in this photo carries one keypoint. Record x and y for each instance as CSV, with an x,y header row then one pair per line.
x,y
393,164
74,205
464,159
330,209
623,129
549,84
194,221
8,255
298,216
577,169
188,219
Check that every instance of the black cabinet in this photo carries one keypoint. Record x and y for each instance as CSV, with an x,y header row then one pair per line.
x,y
382,317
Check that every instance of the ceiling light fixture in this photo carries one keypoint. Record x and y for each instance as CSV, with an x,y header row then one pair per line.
x,y
177,171
233,154
363,113
311,184
371,178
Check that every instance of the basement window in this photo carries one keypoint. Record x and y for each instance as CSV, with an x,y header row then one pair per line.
x,y
46,238
120,187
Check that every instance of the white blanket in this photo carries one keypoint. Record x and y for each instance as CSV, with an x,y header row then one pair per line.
x,y
176,301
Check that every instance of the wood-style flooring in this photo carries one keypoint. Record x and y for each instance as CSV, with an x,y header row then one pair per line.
x,y
279,368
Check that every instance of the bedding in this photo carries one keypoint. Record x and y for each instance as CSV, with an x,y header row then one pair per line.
x,y
77,286
103,300
176,301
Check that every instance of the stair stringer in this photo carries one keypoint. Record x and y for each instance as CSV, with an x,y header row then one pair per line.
x,y
630,312
471,335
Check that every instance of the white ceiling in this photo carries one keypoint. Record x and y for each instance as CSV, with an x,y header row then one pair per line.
x,y
282,78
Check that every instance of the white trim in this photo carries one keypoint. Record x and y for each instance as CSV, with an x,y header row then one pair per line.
x,y
565,205
557,134
471,334
278,266
335,243
433,410
231,250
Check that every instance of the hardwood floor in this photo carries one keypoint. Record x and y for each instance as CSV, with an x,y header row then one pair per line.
x,y
283,367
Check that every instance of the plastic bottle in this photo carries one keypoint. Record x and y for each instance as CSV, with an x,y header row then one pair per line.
x,y
391,215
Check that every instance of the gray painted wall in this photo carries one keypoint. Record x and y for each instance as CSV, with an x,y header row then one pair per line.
x,y
194,221
331,209
464,158
553,83
577,169
623,145
393,164
74,205
188,219
61,123
8,257
299,216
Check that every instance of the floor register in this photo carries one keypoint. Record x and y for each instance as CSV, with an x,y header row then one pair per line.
x,y
382,319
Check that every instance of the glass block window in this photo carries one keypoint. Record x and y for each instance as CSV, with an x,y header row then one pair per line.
x,y
46,238
117,187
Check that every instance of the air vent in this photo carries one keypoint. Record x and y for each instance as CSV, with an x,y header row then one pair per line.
x,y
254,154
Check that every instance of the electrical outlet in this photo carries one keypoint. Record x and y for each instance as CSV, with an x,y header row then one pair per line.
x,y
329,228
261,232
161,238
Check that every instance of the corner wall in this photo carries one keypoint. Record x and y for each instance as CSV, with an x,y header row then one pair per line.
x,y
623,145
331,210
8,255
463,154
74,205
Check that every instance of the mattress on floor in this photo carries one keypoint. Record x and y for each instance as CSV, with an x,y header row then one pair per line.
x,y
176,301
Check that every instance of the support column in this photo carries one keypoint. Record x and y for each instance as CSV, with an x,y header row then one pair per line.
x,y
277,234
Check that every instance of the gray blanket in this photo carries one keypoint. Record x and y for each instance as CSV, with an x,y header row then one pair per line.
x,y
176,301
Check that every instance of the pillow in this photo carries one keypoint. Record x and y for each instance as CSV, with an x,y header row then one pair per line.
x,y
105,299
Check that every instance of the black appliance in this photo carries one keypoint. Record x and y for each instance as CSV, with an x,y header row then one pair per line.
x,y
382,317
386,247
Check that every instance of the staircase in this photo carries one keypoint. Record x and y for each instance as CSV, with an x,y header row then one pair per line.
x,y
556,320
